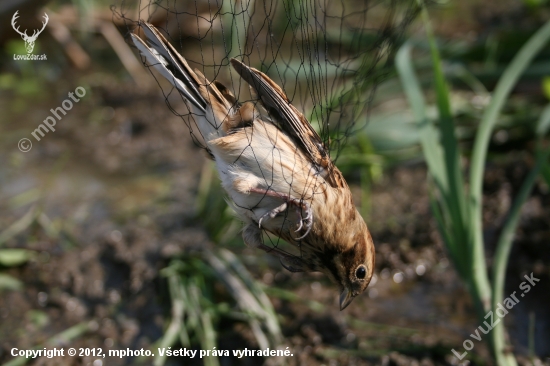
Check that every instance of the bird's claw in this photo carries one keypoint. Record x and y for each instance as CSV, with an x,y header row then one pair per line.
x,y
299,204
308,220
300,227
272,213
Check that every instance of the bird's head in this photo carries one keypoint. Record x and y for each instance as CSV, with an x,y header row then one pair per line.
x,y
347,259
352,268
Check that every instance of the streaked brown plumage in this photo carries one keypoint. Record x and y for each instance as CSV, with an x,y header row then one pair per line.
x,y
276,170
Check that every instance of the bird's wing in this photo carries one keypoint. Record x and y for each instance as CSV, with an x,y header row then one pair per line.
x,y
291,121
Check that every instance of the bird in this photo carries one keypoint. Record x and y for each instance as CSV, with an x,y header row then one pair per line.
x,y
274,168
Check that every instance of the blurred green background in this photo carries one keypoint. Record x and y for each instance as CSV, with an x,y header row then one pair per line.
x,y
114,232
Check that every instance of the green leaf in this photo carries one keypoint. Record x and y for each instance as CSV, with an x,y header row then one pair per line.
x,y
506,239
544,122
546,86
38,318
8,282
428,134
19,226
500,95
15,257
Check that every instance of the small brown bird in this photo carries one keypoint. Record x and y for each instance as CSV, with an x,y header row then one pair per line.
x,y
276,170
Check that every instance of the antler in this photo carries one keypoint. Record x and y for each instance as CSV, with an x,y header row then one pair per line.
x,y
24,34
34,34
13,19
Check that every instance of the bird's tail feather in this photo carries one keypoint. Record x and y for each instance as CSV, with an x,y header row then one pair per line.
x,y
207,103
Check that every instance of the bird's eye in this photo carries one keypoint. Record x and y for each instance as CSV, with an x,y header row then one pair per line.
x,y
361,272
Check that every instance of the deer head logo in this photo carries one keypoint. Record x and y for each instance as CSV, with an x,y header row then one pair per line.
x,y
29,40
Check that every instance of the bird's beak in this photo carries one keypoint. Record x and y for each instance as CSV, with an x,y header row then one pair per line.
x,y
345,298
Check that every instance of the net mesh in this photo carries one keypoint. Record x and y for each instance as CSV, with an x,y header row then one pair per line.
x,y
327,55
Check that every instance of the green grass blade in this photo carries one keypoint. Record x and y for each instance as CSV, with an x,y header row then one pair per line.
x,y
15,256
173,330
246,297
489,119
271,320
454,198
502,254
506,238
292,297
455,194
9,283
433,153
61,339
209,338
454,253
428,135
19,226
469,251
502,90
544,122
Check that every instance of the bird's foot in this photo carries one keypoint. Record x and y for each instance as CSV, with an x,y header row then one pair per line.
x,y
300,205
273,213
